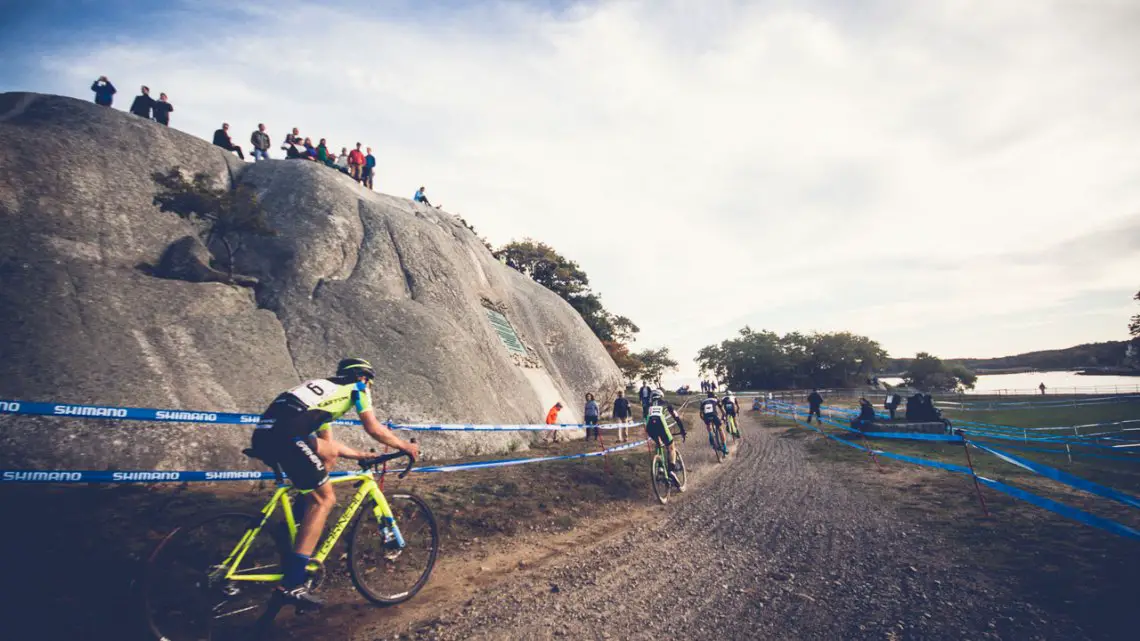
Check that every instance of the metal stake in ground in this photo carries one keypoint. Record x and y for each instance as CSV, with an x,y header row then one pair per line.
x,y
973,474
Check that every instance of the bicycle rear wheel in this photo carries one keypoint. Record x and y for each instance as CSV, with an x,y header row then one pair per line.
x,y
382,572
185,596
716,443
660,477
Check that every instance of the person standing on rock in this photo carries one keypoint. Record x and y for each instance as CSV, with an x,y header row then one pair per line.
x,y
643,395
591,413
369,168
815,402
293,434
260,141
222,139
104,91
552,419
621,414
356,163
162,110
1042,388
143,104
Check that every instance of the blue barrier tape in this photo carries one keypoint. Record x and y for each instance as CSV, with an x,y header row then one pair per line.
x,y
1040,501
1062,509
1063,452
110,412
171,476
1061,477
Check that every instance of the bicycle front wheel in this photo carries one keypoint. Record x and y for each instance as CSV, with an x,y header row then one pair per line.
x,y
383,572
682,474
185,595
660,471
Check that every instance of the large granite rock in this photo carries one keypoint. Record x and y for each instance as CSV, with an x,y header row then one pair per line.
x,y
104,300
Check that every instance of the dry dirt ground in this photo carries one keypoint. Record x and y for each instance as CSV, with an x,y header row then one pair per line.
x,y
784,540
778,544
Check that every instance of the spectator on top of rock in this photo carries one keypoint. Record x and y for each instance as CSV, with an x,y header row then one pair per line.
x,y
310,150
260,141
341,161
323,152
421,197
369,169
356,163
162,110
294,138
104,91
222,139
143,104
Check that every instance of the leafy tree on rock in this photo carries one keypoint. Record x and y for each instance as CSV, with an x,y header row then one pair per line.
x,y
229,215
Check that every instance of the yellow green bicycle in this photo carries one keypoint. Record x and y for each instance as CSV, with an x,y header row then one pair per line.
x,y
212,579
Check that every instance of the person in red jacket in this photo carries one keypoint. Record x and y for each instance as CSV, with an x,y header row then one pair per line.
x,y
552,419
356,163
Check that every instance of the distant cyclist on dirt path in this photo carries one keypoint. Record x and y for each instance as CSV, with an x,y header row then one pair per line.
x,y
728,404
710,414
656,429
815,401
293,433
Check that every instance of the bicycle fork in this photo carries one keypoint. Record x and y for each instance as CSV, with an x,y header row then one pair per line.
x,y
393,539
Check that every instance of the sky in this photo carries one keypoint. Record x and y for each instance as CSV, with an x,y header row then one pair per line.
x,y
958,177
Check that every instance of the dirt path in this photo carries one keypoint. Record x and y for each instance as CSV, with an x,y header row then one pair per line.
x,y
771,546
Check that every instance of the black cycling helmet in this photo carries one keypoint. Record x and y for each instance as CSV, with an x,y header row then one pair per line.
x,y
712,394
355,368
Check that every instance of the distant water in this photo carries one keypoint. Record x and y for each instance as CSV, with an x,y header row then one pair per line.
x,y
1055,383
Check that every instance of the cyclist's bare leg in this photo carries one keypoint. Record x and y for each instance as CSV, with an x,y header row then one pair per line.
x,y
320,504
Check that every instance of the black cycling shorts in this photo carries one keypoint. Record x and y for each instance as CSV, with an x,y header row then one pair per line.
x,y
711,419
657,431
296,456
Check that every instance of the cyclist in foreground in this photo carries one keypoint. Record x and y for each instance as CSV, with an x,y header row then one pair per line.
x,y
710,414
657,430
294,433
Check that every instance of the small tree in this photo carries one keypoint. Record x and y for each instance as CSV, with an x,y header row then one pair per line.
x,y
928,372
655,362
229,215
1134,325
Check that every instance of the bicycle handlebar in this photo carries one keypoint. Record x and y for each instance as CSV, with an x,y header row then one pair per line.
x,y
376,461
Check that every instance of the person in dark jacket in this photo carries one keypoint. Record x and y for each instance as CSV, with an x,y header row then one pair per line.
x,y
143,104
162,110
892,404
643,394
815,402
222,139
866,415
104,91
260,141
621,414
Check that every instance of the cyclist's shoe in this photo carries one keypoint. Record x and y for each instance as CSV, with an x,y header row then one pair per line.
x,y
673,477
299,597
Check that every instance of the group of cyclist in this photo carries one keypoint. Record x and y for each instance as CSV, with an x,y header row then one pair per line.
x,y
293,435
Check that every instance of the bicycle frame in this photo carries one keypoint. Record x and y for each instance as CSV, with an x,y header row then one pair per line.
x,y
368,489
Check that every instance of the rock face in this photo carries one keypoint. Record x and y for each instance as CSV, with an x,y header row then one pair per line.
x,y
105,301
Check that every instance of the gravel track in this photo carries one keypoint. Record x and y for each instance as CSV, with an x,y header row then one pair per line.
x,y
768,545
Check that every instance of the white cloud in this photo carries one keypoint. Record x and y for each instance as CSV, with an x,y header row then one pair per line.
x,y
709,163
